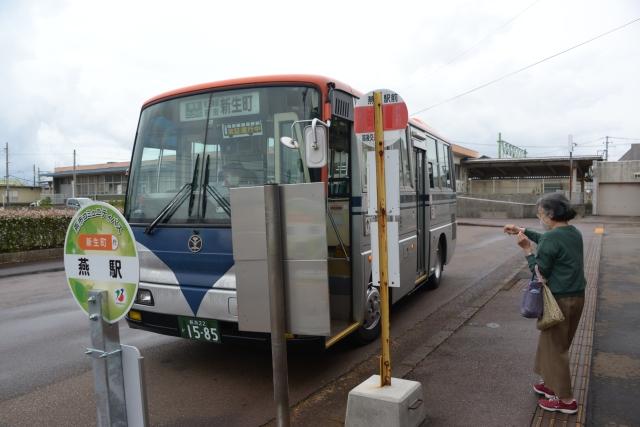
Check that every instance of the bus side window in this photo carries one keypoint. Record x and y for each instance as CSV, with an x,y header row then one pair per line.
x,y
430,167
449,171
405,165
432,159
443,163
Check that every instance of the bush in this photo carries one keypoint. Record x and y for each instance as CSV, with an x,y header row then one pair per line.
x,y
29,229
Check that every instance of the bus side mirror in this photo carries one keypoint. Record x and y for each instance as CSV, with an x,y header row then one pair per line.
x,y
315,138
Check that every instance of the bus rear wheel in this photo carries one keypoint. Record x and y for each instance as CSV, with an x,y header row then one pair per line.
x,y
436,277
370,328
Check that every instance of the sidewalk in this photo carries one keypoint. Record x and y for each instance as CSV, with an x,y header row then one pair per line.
x,y
614,390
23,268
482,374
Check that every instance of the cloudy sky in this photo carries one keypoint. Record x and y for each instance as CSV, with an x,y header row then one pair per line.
x,y
75,73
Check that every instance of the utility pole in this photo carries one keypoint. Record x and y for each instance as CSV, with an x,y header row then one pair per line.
x,y
499,145
73,184
34,176
571,145
6,176
606,150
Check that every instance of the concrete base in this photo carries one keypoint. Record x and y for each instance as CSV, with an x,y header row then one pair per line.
x,y
399,405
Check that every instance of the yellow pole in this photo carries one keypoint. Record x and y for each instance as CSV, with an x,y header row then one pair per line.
x,y
385,359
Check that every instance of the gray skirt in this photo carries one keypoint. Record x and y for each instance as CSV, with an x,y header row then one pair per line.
x,y
552,357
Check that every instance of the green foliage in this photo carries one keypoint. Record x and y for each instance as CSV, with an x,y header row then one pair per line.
x,y
46,202
29,229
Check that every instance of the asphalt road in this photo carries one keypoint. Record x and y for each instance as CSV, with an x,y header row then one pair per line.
x,y
45,378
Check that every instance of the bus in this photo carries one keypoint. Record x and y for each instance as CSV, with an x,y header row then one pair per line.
x,y
193,144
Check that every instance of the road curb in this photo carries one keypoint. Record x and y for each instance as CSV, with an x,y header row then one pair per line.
x,y
26,273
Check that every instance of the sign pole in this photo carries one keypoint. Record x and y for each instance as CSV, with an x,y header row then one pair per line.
x,y
385,359
103,272
400,403
107,364
275,280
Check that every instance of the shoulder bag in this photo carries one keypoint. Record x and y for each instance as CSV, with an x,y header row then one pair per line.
x,y
551,313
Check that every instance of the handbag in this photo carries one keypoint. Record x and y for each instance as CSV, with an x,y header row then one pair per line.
x,y
551,313
531,303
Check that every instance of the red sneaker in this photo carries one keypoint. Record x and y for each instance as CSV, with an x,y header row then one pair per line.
x,y
543,390
555,404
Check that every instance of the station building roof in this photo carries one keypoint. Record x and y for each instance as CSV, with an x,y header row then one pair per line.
x,y
97,169
528,167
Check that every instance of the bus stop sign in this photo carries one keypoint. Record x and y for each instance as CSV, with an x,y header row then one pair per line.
x,y
100,254
395,117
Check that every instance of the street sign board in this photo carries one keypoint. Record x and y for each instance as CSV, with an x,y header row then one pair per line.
x,y
100,254
394,117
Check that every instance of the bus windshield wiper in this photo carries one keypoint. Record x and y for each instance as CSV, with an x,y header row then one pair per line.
x,y
209,189
176,201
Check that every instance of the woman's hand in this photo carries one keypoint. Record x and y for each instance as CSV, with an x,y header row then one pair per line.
x,y
512,229
524,243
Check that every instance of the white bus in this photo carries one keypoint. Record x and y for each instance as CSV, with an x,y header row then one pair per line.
x,y
193,143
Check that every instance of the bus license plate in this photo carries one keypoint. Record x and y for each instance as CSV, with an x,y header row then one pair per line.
x,y
199,329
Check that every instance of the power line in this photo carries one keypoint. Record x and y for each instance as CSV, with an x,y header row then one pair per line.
x,y
590,141
525,68
626,139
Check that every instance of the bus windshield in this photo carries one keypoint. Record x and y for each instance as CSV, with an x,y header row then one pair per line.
x,y
233,135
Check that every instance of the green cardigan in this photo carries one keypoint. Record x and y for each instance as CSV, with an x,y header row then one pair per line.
x,y
560,259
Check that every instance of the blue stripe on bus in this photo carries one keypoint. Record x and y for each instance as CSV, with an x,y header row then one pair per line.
x,y
196,272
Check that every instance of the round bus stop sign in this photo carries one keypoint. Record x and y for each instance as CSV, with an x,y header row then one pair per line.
x,y
100,254
395,117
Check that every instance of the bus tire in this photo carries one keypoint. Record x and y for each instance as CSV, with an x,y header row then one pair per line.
x,y
370,328
436,277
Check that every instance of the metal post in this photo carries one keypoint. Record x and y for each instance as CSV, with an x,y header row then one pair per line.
x,y
34,176
385,359
499,145
570,166
606,150
73,184
107,364
277,304
6,177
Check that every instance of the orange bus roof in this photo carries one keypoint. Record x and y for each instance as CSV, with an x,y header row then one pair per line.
x,y
279,79
422,125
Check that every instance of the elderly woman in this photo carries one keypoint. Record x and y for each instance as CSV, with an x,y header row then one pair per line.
x,y
559,257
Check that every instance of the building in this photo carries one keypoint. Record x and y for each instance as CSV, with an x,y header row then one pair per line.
x,y
461,153
525,179
617,188
104,181
632,154
19,194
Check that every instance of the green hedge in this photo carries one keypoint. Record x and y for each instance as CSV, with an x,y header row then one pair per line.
x,y
29,229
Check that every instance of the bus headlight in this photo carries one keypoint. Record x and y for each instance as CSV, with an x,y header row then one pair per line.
x,y
144,297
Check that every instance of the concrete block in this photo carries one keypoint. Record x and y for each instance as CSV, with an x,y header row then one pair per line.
x,y
399,405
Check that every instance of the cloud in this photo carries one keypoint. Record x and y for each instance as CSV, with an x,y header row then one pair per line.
x,y
75,73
